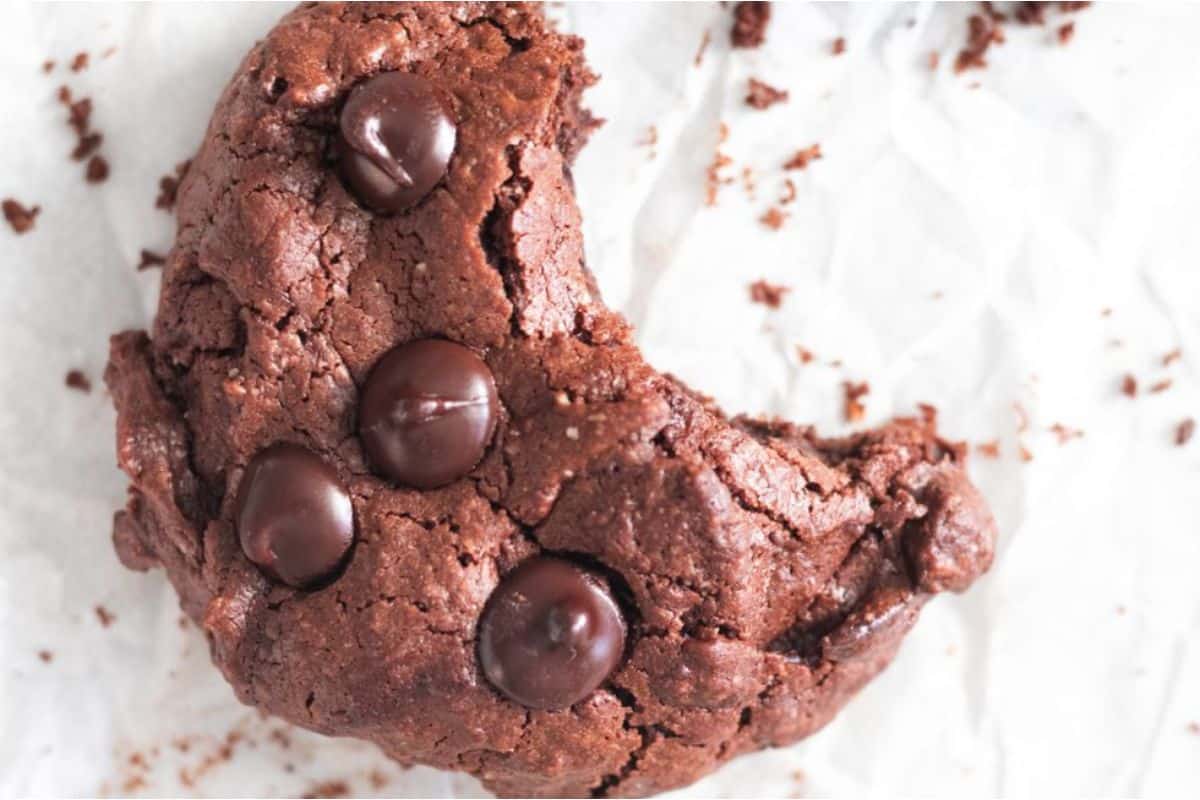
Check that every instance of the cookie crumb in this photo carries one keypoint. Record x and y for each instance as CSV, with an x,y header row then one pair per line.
x,y
1171,357
1184,431
328,789
1129,385
803,156
97,170
19,218
773,219
79,62
750,22
377,779
714,180
75,379
48,65
789,192
46,656
86,145
1161,386
1022,417
853,407
768,294
983,30
168,186
1025,454
804,354
105,616
839,45
1066,33
703,48
1064,433
989,449
150,259
763,95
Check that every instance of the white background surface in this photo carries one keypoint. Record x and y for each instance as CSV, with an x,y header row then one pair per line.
x,y
1066,182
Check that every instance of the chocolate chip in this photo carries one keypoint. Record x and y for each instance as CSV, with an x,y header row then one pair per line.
x,y
427,413
294,516
550,634
394,141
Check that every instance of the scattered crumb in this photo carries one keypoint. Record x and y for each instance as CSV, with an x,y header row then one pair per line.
x,y
1066,33
1064,433
150,259
722,133
1030,13
1171,357
48,65
763,95
19,218
703,48
748,181
1129,386
1106,312
97,170
1022,417
1184,431
108,52
802,157
651,137
377,779
75,379
168,186
798,776
1161,386
79,62
281,737
46,656
989,449
853,406
774,218
750,24
86,145
839,45
328,789
789,192
105,616
983,30
769,294
714,180
1025,454
804,354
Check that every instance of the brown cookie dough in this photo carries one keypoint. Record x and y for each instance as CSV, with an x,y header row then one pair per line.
x,y
731,582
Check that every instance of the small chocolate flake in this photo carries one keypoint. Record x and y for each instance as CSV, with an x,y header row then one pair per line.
x,y
377,779
703,48
168,186
1171,357
1161,386
1129,385
802,157
87,145
773,219
46,656
80,62
19,218
983,30
789,192
150,259
1022,417
989,449
839,45
853,406
750,24
328,789
1031,13
748,181
64,95
75,379
1066,32
105,616
768,294
763,95
1026,455
48,66
97,170
1064,433
1184,431
714,180
804,354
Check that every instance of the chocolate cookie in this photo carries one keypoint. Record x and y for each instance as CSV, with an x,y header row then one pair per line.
x,y
417,483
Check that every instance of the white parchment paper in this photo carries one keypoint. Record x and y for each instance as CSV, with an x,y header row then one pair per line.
x,y
956,245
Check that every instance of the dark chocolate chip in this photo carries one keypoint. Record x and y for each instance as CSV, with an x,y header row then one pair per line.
x,y
394,141
550,634
427,413
294,516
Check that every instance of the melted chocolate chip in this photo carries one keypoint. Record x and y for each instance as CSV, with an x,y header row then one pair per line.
x,y
427,413
394,141
294,516
550,634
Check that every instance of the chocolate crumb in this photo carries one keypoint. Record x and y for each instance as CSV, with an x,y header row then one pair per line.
x,y
105,616
80,62
989,449
1129,386
748,181
1066,32
804,354
1171,357
774,218
839,45
703,48
87,145
377,779
19,218
853,406
750,24
46,656
769,294
789,192
714,180
1068,7
1031,13
328,789
150,259
763,95
934,59
983,30
802,157
75,379
97,170
1064,433
1022,417
168,186
1161,386
1025,454
48,65
1184,431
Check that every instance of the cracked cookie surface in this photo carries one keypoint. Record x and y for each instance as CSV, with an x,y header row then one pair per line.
x,y
764,573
